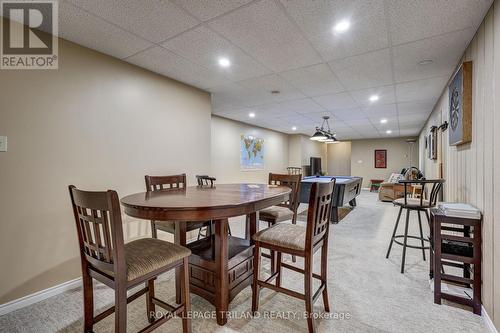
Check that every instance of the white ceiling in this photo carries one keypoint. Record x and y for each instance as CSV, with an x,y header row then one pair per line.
x,y
289,46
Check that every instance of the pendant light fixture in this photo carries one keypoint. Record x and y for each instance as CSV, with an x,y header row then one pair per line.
x,y
324,133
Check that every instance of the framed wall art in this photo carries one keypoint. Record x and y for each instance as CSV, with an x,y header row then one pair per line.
x,y
380,158
460,99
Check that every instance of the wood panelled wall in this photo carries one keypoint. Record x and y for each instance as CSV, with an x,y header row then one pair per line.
x,y
471,170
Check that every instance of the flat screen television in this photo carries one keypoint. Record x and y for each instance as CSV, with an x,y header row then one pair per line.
x,y
315,166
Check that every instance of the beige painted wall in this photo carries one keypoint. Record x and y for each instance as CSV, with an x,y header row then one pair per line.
x,y
295,150
225,151
339,159
470,169
362,158
98,123
301,149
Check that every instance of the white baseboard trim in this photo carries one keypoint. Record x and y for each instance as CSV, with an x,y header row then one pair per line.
x,y
488,321
39,296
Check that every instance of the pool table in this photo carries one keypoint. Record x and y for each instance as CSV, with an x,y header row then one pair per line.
x,y
347,188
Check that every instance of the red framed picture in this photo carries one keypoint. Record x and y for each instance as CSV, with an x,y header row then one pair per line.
x,y
380,158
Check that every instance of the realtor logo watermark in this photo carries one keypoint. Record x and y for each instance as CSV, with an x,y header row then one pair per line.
x,y
29,35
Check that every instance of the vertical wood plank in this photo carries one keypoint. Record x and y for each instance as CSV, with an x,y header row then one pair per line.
x,y
488,166
496,165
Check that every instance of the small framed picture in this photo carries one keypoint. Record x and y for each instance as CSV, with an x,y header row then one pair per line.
x,y
380,158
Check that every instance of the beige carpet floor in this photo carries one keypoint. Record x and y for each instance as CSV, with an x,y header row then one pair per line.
x,y
367,292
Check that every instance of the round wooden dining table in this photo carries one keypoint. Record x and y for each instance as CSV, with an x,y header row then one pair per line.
x,y
220,264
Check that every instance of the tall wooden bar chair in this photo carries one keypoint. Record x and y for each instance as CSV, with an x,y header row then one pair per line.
x,y
286,210
418,205
169,183
106,258
207,230
298,240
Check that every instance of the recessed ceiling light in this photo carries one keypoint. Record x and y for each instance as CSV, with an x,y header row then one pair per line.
x,y
294,128
251,115
383,121
224,62
374,98
388,132
342,26
426,62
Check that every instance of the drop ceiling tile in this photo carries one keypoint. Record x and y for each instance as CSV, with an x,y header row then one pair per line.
x,y
385,94
421,89
264,31
80,27
392,122
336,101
296,120
358,124
413,117
420,107
301,106
227,96
154,20
381,111
204,47
314,80
414,20
347,115
411,123
368,29
444,51
410,131
163,61
259,89
364,71
207,9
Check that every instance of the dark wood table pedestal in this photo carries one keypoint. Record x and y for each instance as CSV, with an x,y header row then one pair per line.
x,y
220,265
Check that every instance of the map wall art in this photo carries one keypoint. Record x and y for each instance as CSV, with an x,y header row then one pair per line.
x,y
251,153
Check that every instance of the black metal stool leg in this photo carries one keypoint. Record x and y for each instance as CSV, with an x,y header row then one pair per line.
x,y
405,241
394,232
421,234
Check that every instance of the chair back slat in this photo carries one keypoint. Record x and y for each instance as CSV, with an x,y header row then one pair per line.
x,y
99,227
319,212
160,183
294,170
205,181
293,182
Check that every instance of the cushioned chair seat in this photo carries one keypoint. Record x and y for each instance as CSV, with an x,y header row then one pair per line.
x,y
411,202
290,236
276,213
169,226
146,255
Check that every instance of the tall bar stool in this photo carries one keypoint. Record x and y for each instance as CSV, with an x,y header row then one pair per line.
x,y
418,205
205,181
169,183
106,258
302,241
284,211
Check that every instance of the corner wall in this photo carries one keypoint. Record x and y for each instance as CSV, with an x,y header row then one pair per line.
x,y
363,159
471,169
225,151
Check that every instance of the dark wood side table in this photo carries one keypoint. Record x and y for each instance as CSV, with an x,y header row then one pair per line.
x,y
461,251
